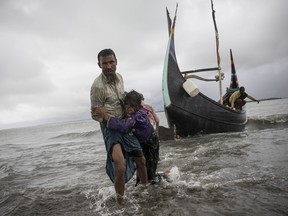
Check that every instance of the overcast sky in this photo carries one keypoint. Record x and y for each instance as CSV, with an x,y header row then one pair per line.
x,y
49,48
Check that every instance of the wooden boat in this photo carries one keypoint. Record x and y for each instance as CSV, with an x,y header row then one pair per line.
x,y
195,113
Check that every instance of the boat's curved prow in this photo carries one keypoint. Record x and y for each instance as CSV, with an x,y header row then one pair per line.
x,y
191,115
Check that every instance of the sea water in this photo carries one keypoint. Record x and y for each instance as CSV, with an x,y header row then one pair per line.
x,y
59,169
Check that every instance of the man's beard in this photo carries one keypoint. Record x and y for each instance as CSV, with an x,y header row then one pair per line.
x,y
111,77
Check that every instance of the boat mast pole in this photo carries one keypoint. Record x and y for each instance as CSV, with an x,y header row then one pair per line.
x,y
217,52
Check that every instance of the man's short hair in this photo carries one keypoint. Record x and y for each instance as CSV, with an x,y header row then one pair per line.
x,y
105,52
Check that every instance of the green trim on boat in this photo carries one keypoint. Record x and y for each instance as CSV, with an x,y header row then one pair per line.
x,y
166,97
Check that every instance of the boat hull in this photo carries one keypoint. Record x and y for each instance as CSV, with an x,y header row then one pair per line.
x,y
189,122
192,115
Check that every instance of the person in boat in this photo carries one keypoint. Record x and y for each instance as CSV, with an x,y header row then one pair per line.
x,y
136,122
151,114
237,99
122,149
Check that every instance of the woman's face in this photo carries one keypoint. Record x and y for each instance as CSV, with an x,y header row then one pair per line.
x,y
129,109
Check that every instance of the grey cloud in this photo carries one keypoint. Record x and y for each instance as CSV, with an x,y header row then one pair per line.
x,y
49,48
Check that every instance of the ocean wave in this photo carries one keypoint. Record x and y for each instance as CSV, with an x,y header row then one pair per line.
x,y
76,135
5,171
270,119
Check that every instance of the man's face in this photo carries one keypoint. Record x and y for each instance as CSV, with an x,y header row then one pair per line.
x,y
108,65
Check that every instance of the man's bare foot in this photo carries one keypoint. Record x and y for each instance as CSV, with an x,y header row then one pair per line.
x,y
120,199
